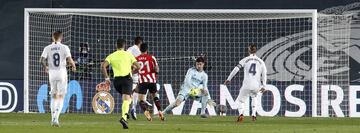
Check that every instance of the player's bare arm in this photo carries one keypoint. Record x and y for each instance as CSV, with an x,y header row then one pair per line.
x,y
133,68
44,64
264,77
232,74
104,67
72,63
262,90
156,69
226,82
136,66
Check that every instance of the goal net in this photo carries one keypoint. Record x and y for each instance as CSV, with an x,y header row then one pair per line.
x,y
285,39
333,65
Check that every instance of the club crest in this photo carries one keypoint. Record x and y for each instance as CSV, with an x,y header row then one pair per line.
x,y
103,101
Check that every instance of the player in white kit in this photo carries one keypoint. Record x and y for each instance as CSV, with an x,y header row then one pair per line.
x,y
54,59
254,80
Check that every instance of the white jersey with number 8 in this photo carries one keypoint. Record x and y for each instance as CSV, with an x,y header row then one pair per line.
x,y
56,55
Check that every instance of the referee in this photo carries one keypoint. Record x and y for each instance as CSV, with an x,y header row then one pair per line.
x,y
122,63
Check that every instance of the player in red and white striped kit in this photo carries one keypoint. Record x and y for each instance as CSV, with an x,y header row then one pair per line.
x,y
147,80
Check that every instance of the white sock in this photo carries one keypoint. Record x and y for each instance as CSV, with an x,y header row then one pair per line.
x,y
135,100
241,108
204,100
59,108
145,99
52,108
253,105
169,108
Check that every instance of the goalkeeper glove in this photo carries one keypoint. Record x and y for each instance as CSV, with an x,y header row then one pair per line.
x,y
211,102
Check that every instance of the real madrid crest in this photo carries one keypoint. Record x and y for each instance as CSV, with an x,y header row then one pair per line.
x,y
103,101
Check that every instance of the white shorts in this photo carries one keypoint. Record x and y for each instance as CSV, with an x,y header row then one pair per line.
x,y
135,78
134,86
249,89
58,82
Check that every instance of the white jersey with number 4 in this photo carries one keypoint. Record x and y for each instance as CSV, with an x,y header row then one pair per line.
x,y
254,71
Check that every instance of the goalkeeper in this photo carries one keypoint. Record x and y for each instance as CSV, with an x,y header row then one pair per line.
x,y
195,87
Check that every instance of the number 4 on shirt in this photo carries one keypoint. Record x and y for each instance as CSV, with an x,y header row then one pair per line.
x,y
252,69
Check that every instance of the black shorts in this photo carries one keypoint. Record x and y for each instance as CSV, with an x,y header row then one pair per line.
x,y
143,87
123,85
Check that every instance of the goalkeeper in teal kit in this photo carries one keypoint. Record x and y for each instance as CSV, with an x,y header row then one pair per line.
x,y
195,87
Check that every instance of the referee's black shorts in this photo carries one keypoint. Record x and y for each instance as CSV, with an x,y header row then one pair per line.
x,y
123,85
143,87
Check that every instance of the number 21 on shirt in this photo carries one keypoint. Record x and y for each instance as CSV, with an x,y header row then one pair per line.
x,y
142,65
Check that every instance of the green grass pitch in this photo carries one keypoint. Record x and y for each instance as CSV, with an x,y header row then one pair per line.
x,y
92,123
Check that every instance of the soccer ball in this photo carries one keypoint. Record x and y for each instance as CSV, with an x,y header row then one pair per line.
x,y
194,92
221,109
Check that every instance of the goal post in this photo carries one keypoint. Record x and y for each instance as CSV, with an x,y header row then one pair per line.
x,y
26,60
285,39
314,63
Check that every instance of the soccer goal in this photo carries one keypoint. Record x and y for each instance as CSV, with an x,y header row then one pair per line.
x,y
305,54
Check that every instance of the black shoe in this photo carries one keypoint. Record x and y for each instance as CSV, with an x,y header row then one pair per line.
x,y
124,123
204,116
133,114
253,118
127,116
